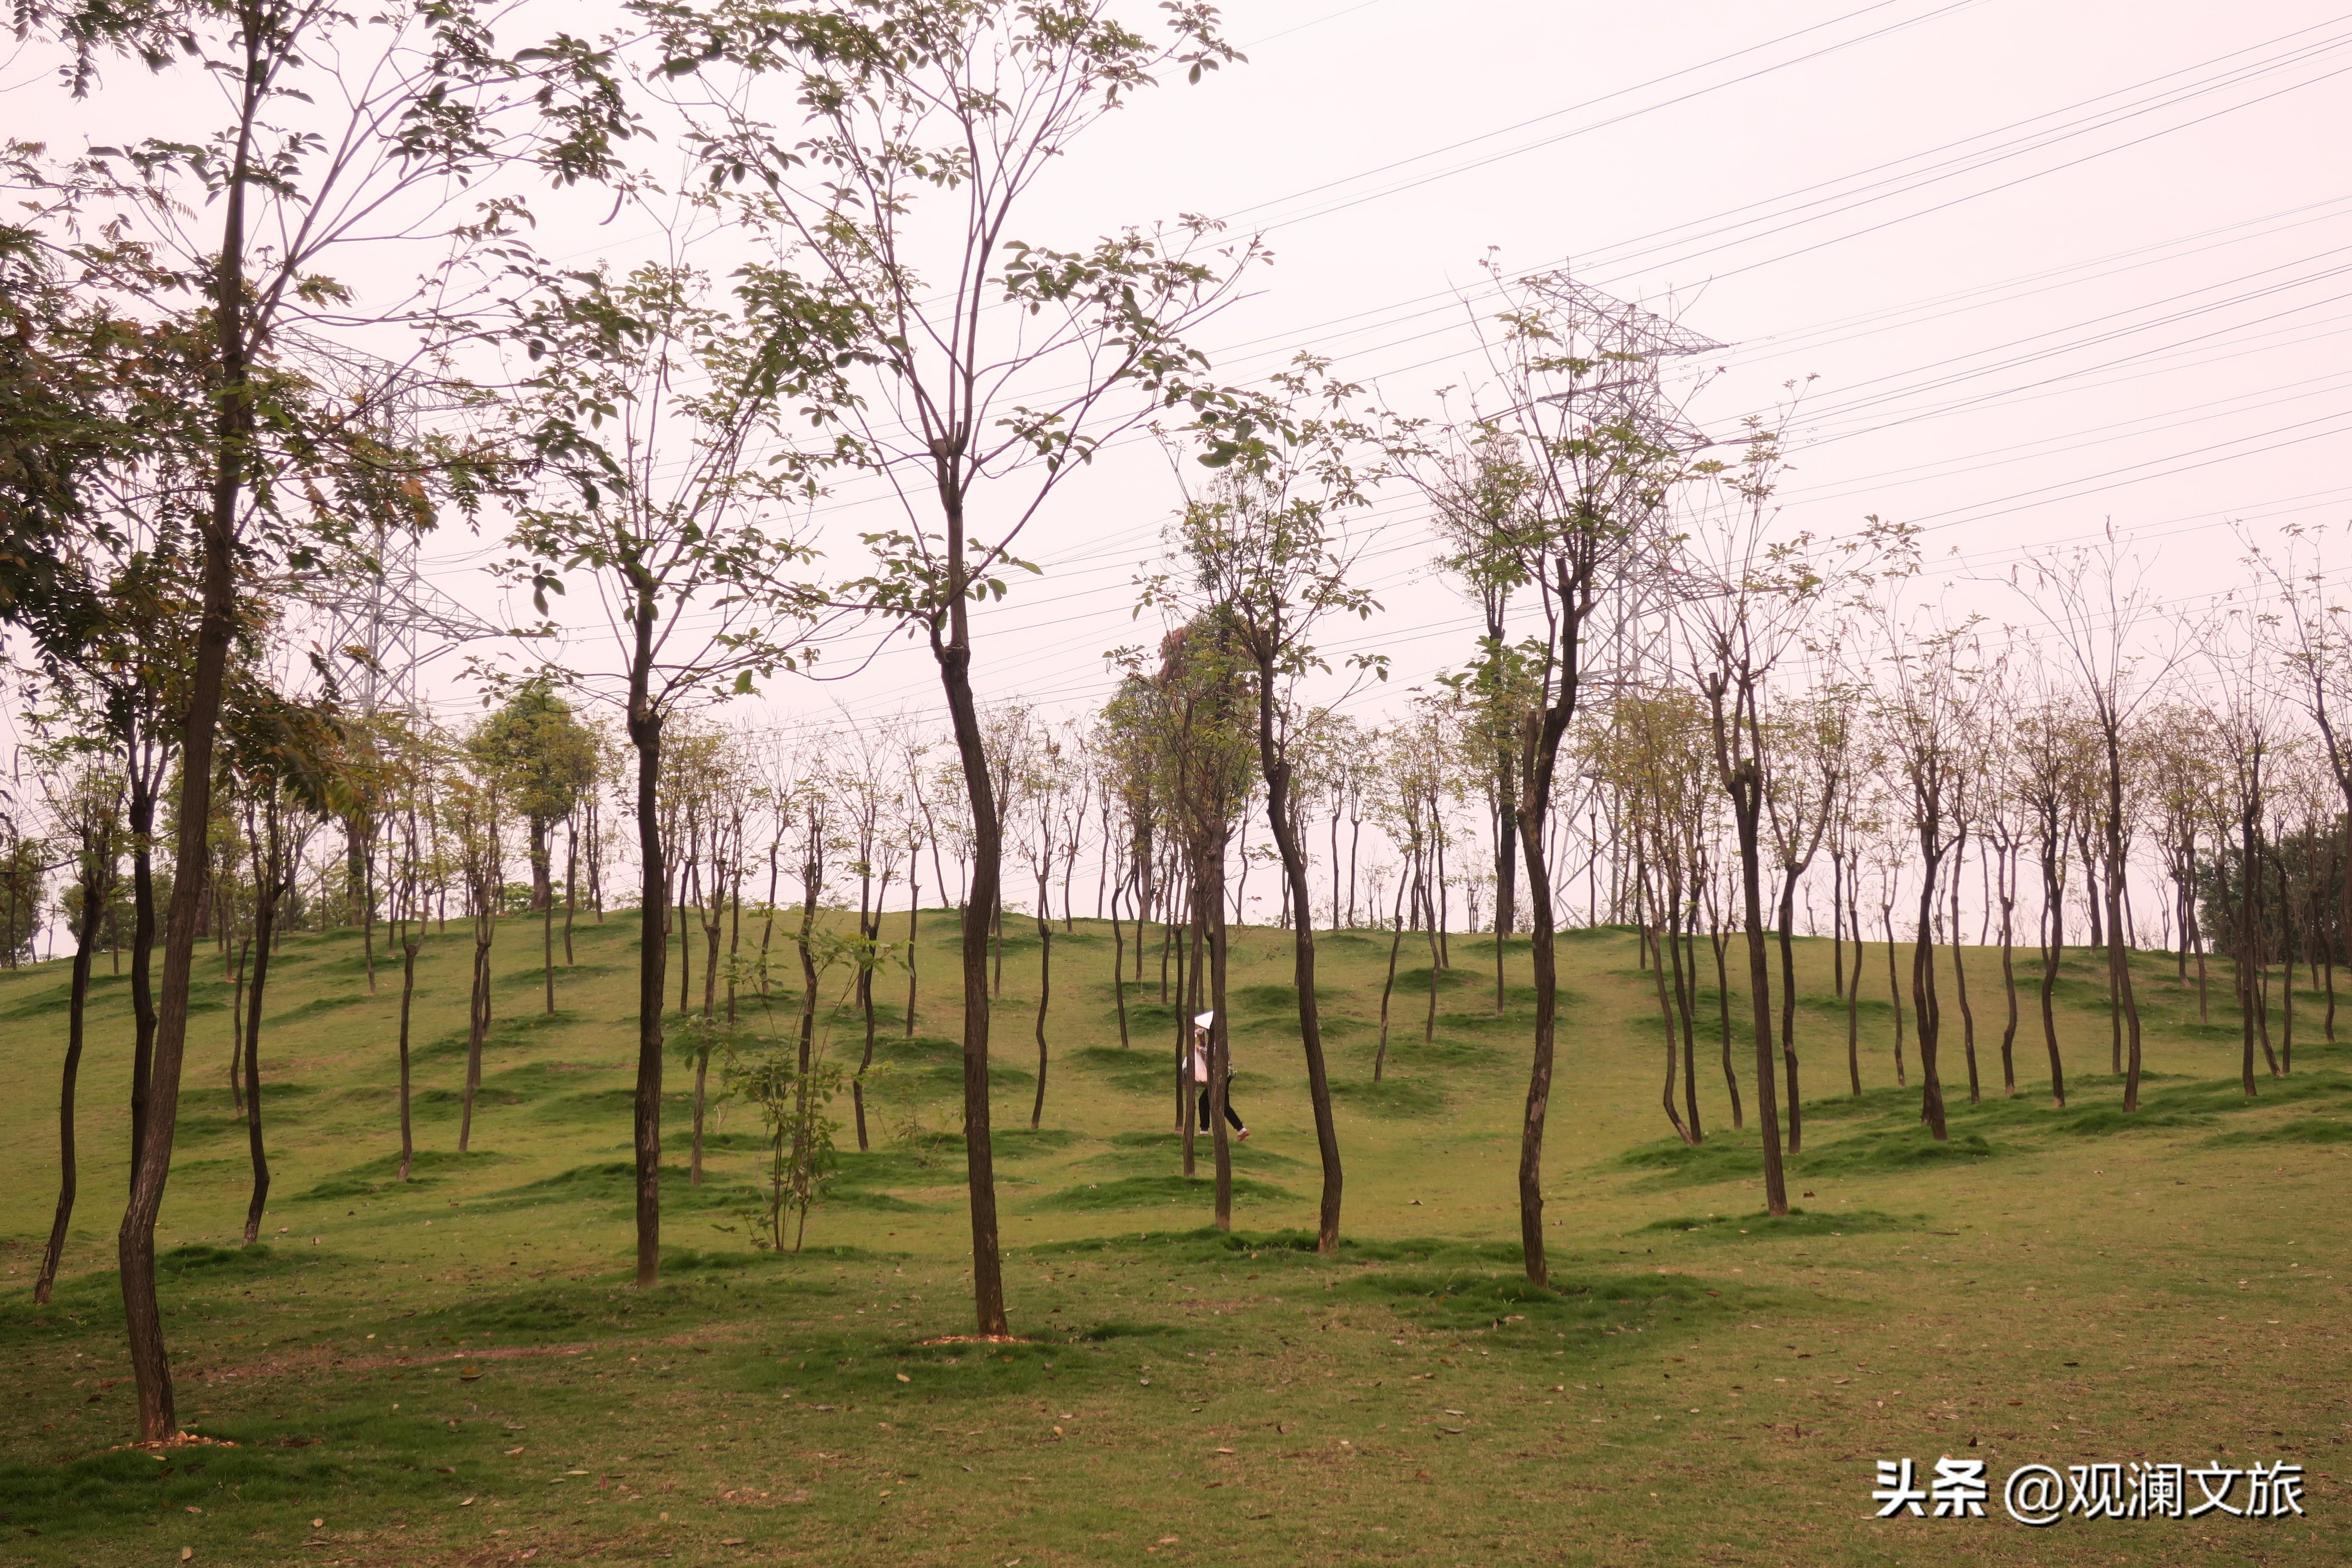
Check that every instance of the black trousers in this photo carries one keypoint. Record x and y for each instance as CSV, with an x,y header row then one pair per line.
x,y
1232,1117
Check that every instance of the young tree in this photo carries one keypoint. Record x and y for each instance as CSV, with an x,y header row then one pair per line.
x,y
2052,766
86,803
1749,608
2101,608
1266,552
1592,422
1925,714
646,393
545,760
427,108
475,816
1002,365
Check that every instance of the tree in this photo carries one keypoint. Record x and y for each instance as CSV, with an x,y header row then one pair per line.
x,y
1806,756
475,817
2100,612
545,762
1750,603
1483,493
86,803
1207,707
647,391
1266,553
429,107
1924,715
2052,763
1604,467
1001,366
1656,754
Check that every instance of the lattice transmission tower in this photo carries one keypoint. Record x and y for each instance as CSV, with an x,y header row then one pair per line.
x,y
1622,350
375,609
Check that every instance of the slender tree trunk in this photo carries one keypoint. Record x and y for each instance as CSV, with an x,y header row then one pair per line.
x,y
1667,1009
571,880
1388,987
1118,962
2008,883
1688,957
1716,941
1746,805
1837,922
1044,999
410,939
1197,932
1924,998
1789,875
1854,1021
2054,951
1538,759
869,931
479,1019
265,921
953,655
1894,993
914,933
547,939
2286,969
236,1033
653,953
145,777
1221,1056
97,888
1960,983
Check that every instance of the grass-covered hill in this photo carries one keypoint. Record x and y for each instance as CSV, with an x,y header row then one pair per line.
x,y
455,1369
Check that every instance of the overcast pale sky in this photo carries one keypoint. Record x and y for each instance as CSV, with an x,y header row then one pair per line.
x,y
2052,267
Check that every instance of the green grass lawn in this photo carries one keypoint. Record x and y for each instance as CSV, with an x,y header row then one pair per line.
x,y
457,1370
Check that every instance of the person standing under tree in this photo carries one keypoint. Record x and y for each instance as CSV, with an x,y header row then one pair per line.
x,y
1201,1023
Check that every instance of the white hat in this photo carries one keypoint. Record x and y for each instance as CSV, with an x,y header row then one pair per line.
x,y
1204,1020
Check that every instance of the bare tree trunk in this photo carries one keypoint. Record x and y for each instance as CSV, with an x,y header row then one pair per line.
x,y
954,657
1837,922
97,888
1388,988
1687,960
265,920
1045,998
571,879
1746,802
1788,1006
914,935
546,944
478,1018
2053,950
2007,875
1221,1056
409,940
645,722
1960,982
1118,960
1894,993
1924,997
144,765
1276,766
1667,1008
1715,941
1197,978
